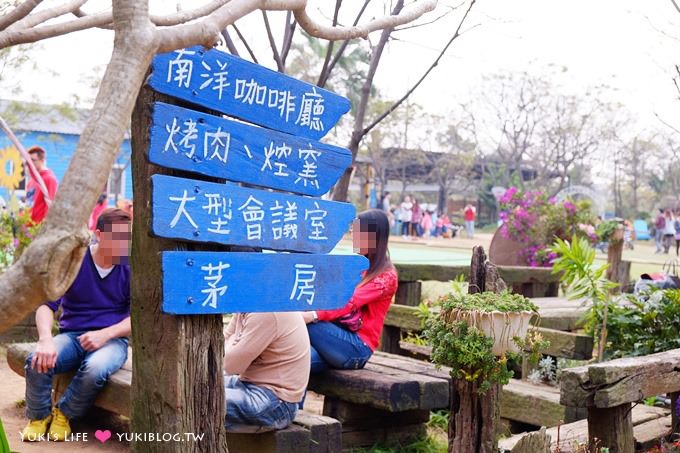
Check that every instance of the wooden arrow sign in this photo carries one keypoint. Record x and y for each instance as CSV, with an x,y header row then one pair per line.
x,y
197,283
184,139
228,84
202,211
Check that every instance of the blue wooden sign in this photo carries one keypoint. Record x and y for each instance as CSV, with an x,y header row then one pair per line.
x,y
225,282
229,214
188,140
228,84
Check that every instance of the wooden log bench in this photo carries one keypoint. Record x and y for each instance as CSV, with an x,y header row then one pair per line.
x,y
649,424
309,432
521,401
608,389
387,402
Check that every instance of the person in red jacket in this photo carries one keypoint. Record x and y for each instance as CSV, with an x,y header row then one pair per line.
x,y
346,338
35,199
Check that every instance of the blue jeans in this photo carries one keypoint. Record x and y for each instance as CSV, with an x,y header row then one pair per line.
x,y
335,347
94,369
253,408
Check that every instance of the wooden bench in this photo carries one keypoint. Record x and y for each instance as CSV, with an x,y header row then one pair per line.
x,y
521,401
388,402
309,432
607,390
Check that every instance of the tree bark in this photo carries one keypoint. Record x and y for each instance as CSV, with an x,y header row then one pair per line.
x,y
48,266
342,186
474,417
177,384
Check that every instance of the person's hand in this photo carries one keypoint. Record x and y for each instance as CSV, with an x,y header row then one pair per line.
x,y
94,339
308,316
45,356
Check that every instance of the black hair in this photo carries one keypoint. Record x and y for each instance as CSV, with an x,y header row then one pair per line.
x,y
376,221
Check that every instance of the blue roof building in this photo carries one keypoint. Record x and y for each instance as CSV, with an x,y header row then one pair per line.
x,y
57,129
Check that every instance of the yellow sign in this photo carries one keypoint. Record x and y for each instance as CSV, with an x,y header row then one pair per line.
x,y
11,168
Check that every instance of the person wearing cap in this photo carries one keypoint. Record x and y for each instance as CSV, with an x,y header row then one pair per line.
x,y
35,199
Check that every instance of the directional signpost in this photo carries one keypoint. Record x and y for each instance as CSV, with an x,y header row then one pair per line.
x,y
201,211
184,139
227,282
223,82
279,151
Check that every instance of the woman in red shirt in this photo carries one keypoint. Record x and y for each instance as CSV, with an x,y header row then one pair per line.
x,y
338,338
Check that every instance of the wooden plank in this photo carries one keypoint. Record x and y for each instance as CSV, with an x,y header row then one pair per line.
x,y
363,416
648,434
219,282
325,432
434,391
403,317
571,434
293,439
199,211
536,404
562,344
236,87
393,436
416,272
188,140
620,381
510,274
390,393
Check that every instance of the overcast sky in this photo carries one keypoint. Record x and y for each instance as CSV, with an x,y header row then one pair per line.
x,y
626,44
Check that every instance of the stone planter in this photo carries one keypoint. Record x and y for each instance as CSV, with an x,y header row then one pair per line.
x,y
501,326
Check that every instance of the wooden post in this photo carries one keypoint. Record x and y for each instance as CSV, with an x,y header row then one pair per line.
x,y
675,418
611,428
177,384
408,293
614,255
474,417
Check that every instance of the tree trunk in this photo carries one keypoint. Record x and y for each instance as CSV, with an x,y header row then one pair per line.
x,y
474,417
49,265
177,384
342,186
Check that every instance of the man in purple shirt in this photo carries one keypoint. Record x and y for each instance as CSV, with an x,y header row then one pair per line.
x,y
94,326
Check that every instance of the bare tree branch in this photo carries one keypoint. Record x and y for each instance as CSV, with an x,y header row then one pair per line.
x,y
323,77
245,43
18,13
206,30
272,43
288,36
23,36
437,19
47,14
229,42
361,31
665,123
343,46
677,7
182,17
423,77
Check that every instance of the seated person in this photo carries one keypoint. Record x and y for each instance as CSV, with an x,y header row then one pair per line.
x,y
270,353
346,338
94,327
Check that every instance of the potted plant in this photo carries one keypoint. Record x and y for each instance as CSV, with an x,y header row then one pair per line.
x,y
474,334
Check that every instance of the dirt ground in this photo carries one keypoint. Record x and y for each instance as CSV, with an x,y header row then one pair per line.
x,y
12,390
